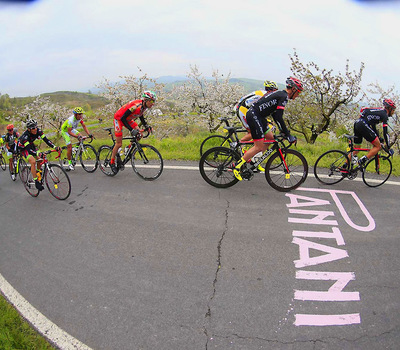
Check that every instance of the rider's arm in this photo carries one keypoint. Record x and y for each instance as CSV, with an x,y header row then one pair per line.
x,y
85,127
278,118
386,135
144,122
45,139
124,119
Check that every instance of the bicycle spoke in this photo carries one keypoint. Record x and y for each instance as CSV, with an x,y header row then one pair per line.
x,y
331,167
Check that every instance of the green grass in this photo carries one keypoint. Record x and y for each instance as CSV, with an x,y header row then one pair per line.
x,y
15,333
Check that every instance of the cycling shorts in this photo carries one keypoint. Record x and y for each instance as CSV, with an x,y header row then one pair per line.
x,y
118,125
258,125
363,130
67,137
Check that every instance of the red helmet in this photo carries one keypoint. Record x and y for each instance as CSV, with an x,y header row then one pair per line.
x,y
389,103
294,82
10,126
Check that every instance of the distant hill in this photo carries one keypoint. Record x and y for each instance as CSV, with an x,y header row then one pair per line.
x,y
73,98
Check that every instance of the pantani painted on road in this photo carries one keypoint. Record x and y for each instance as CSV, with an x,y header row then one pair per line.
x,y
306,213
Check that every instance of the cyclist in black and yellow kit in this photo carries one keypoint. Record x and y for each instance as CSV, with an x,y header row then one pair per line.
x,y
28,148
365,127
269,105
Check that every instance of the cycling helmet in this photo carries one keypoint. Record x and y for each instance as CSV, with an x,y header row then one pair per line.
x,y
295,83
31,124
10,127
270,85
78,110
389,103
149,95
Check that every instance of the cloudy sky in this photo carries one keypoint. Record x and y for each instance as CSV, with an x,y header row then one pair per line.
x,y
51,45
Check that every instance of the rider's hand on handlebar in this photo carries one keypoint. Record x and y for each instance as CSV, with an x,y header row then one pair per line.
x,y
291,138
79,138
391,152
58,149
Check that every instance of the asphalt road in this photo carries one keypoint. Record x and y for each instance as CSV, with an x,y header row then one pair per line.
x,y
178,264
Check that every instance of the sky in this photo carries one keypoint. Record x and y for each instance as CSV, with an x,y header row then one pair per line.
x,y
53,45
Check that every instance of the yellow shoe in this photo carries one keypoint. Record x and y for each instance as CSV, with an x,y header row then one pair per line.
x,y
261,169
236,172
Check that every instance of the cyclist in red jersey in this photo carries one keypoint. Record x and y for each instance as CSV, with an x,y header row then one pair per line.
x,y
125,117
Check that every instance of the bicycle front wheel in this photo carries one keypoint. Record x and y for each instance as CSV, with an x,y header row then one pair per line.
x,y
104,157
147,162
57,181
377,171
216,167
288,173
214,141
2,163
331,167
28,181
88,158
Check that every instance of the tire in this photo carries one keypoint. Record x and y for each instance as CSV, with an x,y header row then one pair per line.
x,y
276,170
377,171
216,166
57,181
2,163
88,158
213,141
331,167
28,182
63,159
21,166
104,157
147,162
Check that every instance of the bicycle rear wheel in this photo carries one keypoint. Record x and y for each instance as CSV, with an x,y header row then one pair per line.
x,y
147,162
104,158
377,171
28,182
2,163
88,158
57,181
213,141
331,167
287,174
216,167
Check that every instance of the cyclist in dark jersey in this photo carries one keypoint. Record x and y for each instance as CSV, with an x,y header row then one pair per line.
x,y
28,148
272,104
10,142
365,127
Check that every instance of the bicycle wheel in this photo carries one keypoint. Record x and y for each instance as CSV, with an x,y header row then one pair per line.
x,y
147,162
28,182
88,158
21,166
377,171
214,141
63,159
57,181
331,167
2,163
216,166
288,174
104,158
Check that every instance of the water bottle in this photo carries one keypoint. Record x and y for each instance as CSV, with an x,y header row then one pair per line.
x,y
127,148
354,160
233,144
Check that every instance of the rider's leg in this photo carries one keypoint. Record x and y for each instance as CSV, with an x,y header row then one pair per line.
x,y
118,144
376,147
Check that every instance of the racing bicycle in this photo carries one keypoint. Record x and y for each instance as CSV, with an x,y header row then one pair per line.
x,y
86,154
55,177
285,169
145,159
19,164
335,165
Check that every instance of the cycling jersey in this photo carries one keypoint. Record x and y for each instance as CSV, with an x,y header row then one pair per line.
x,y
10,140
270,104
366,125
72,123
245,103
26,145
127,114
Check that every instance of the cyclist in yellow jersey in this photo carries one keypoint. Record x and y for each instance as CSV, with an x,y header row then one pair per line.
x,y
68,129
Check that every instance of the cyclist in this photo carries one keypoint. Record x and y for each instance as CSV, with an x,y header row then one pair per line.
x,y
68,129
126,116
365,127
247,101
28,148
10,140
272,104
